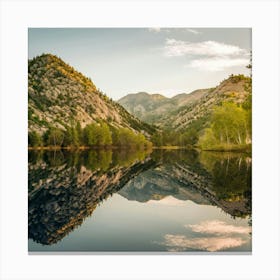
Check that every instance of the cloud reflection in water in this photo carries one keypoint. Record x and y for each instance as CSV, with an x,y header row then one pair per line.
x,y
222,236
219,228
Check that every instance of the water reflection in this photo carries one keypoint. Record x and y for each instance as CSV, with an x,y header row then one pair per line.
x,y
177,243
221,179
215,236
66,187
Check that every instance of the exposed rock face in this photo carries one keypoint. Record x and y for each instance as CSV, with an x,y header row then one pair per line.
x,y
181,110
58,95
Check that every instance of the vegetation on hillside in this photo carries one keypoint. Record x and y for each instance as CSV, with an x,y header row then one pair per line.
x,y
227,125
230,126
185,137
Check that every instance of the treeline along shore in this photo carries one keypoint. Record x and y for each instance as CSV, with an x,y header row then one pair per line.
x,y
93,135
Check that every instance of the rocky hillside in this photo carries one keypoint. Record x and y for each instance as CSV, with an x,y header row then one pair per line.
x,y
179,112
153,107
231,89
59,96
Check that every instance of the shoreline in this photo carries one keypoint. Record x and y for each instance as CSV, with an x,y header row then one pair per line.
x,y
170,148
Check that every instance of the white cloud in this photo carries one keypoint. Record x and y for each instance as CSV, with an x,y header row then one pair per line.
x,y
219,228
217,63
193,31
155,29
207,55
175,47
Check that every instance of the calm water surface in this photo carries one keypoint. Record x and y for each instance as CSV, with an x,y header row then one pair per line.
x,y
176,201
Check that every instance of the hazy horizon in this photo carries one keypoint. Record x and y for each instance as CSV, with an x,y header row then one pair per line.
x,y
166,61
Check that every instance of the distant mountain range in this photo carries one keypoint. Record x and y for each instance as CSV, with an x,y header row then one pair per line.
x,y
152,107
181,110
59,96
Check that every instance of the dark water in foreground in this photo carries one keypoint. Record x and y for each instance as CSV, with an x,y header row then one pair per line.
x,y
178,201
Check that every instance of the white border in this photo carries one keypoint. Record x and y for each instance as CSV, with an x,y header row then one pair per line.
x,y
262,16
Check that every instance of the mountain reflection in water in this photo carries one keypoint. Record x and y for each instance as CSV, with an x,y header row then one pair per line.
x,y
66,187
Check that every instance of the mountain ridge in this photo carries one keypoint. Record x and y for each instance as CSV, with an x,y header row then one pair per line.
x,y
183,109
150,107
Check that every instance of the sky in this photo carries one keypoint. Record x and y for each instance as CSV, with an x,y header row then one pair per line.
x,y
168,61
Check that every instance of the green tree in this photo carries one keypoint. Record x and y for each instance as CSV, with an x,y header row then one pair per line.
x,y
54,136
71,137
207,140
104,135
157,139
97,135
34,139
90,135
79,132
229,126
189,137
115,136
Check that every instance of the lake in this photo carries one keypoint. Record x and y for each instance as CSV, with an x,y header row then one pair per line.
x,y
137,201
